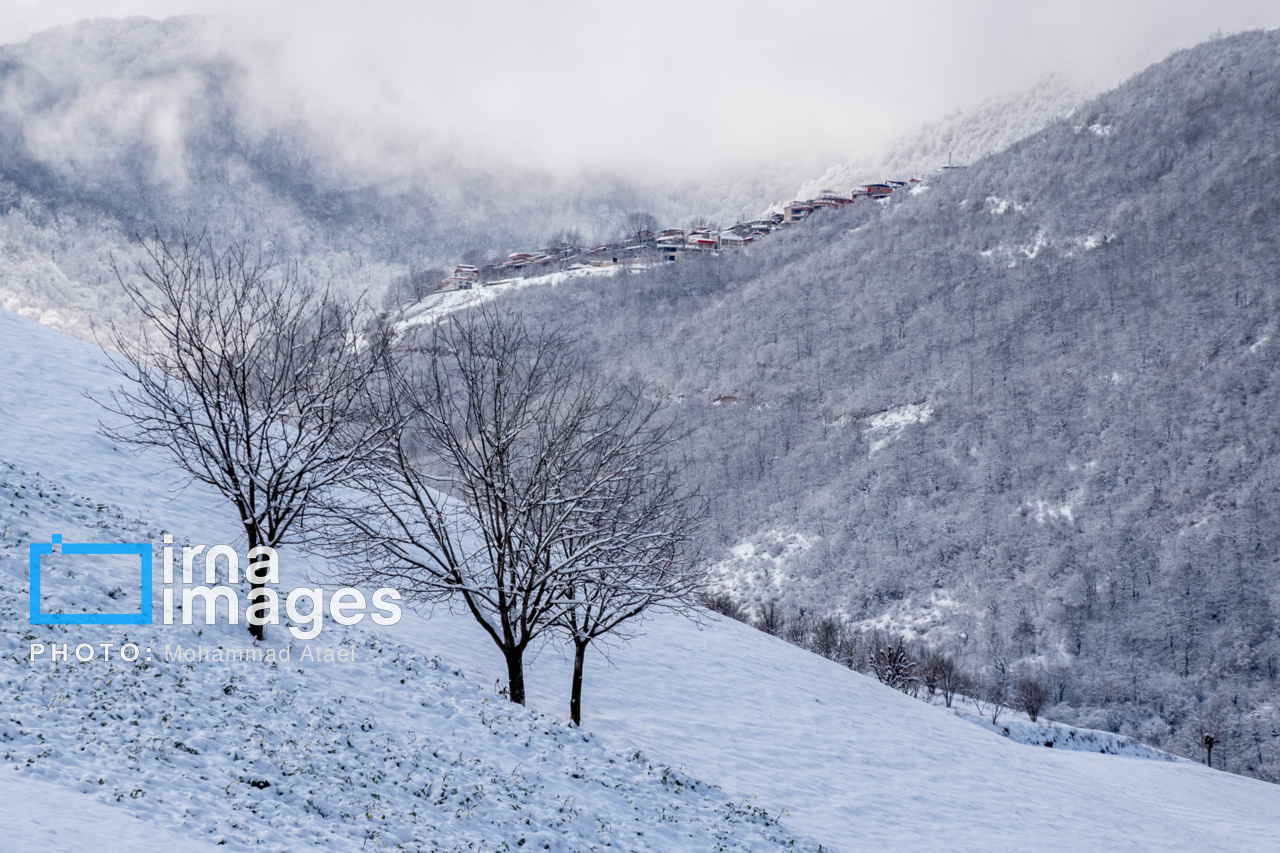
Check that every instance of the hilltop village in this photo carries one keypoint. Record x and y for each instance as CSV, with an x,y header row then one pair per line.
x,y
646,245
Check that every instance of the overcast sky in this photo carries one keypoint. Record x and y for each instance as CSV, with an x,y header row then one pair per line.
x,y
683,87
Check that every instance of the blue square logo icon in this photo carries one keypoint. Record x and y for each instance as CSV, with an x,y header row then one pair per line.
x,y
141,549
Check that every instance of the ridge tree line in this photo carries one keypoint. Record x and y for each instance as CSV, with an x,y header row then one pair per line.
x,y
479,461
923,672
912,667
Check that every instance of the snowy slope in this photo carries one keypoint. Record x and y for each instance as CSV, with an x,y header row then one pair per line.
x,y
393,750
840,758
1019,729
445,302
860,765
963,137
28,823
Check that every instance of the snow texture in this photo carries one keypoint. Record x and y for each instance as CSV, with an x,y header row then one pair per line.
x,y
394,749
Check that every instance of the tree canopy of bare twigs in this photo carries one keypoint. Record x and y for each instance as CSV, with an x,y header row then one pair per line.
x,y
951,679
250,381
771,619
643,531
1030,695
522,484
893,664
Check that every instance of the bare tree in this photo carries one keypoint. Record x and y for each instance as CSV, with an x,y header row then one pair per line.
x,y
495,492
249,381
771,619
828,638
652,522
893,664
1209,739
640,224
1208,729
412,287
931,671
565,241
951,679
1030,696
797,629
724,604
995,694
853,651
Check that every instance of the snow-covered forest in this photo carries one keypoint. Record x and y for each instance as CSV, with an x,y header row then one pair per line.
x,y
1004,440
1024,412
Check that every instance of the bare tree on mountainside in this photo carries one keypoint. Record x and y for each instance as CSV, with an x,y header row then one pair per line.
x,y
654,522
1030,695
250,381
522,484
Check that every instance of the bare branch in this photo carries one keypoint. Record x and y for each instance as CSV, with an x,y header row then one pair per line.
x,y
249,381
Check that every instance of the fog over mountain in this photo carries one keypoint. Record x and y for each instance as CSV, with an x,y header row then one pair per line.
x,y
109,128
678,90
113,127
959,138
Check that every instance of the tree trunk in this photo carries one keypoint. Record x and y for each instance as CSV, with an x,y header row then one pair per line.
x,y
258,632
515,674
575,695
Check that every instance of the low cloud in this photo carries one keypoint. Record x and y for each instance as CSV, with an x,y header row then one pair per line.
x,y
667,90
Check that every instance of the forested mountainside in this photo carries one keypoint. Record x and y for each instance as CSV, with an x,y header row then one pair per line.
x,y
1026,410
110,127
959,138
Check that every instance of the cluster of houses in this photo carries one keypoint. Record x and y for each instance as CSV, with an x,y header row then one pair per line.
x,y
668,244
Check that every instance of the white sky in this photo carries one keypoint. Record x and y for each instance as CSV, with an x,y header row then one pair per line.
x,y
674,87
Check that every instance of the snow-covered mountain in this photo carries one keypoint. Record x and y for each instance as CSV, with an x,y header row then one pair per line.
x,y
958,139
697,736
1023,411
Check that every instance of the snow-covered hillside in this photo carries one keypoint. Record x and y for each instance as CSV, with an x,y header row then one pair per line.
x,y
392,748
446,301
861,766
960,138
701,737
